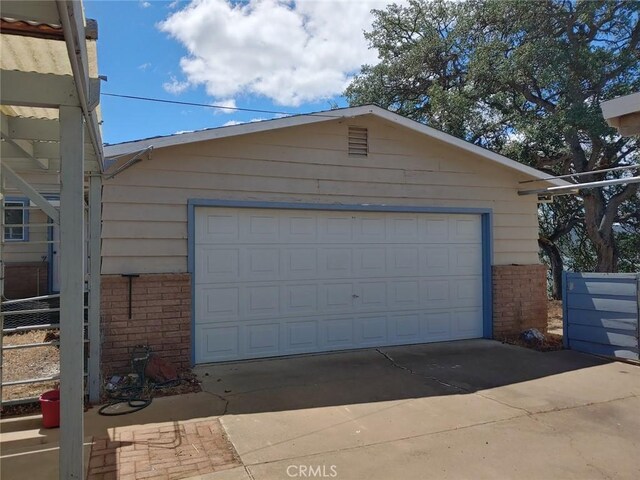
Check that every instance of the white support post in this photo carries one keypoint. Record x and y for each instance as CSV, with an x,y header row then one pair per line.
x,y
72,258
95,227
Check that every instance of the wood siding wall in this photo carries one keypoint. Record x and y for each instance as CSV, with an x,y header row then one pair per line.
x,y
145,207
35,248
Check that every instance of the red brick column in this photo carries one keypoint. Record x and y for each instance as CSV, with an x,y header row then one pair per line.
x,y
160,318
519,299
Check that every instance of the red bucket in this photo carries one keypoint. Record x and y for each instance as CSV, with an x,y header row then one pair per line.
x,y
50,405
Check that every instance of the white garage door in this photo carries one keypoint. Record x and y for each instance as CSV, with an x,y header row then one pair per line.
x,y
283,282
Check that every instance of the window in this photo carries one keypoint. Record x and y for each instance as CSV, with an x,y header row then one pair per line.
x,y
358,141
15,216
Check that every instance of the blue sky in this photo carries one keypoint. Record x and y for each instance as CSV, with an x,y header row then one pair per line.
x,y
262,54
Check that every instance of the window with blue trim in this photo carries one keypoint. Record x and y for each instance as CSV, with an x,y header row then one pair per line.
x,y
15,219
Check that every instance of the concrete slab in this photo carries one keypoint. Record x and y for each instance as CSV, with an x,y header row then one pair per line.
x,y
470,409
552,445
310,431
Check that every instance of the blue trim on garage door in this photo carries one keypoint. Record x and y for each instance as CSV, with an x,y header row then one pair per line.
x,y
487,240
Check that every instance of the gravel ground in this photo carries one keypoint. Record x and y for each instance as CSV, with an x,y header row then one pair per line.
x,y
26,363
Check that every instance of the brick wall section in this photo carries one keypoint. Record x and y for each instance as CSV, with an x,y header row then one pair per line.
x,y
519,299
24,280
161,319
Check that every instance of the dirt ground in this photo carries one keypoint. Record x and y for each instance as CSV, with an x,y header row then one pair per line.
x,y
27,363
554,322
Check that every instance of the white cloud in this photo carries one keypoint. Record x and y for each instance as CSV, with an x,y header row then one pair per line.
x,y
231,123
175,86
230,103
290,52
144,4
144,66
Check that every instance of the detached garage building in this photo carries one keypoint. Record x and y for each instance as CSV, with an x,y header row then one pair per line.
x,y
345,229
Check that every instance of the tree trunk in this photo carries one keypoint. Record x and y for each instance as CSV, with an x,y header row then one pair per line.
x,y
552,251
600,232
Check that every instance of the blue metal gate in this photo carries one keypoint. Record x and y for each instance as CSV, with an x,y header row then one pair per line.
x,y
600,313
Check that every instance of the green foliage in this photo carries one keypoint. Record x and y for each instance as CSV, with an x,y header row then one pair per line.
x,y
525,79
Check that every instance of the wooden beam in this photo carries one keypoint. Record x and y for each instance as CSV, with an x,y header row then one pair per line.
x,y
30,192
18,149
95,228
72,258
37,89
33,129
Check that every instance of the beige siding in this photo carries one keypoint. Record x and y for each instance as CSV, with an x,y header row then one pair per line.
x,y
145,207
35,248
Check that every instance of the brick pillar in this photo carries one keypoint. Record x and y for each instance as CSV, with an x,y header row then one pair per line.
x,y
161,319
519,299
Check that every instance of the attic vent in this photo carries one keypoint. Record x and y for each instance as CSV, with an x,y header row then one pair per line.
x,y
358,141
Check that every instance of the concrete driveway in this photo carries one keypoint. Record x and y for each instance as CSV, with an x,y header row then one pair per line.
x,y
470,409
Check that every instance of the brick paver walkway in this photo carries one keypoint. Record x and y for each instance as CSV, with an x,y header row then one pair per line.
x,y
168,452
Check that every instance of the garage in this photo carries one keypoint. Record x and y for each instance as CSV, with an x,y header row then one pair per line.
x,y
273,282
346,229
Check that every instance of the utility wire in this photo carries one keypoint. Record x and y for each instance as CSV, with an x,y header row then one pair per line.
x,y
193,104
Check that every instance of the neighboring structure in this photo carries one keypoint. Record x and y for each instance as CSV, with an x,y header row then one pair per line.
x,y
623,113
344,229
49,93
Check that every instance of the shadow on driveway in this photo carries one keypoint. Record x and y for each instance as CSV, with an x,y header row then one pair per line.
x,y
383,374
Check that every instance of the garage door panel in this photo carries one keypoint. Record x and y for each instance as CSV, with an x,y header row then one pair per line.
x,y
217,343
335,262
337,333
370,261
435,229
301,336
217,262
217,303
262,339
337,296
221,226
404,294
464,229
437,325
404,328
370,229
299,228
335,228
468,323
467,292
260,227
465,259
280,282
434,260
300,262
371,330
371,295
299,299
403,261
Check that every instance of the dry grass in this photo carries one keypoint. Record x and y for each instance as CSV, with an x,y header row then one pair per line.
x,y
26,363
